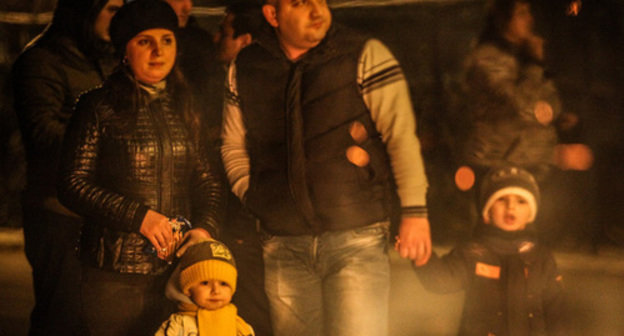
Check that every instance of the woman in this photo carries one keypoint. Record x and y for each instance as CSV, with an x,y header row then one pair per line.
x,y
512,102
131,160
71,56
516,114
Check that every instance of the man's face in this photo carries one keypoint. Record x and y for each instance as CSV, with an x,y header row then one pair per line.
x,y
182,8
102,21
227,45
300,24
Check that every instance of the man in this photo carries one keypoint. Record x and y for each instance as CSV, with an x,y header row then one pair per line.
x,y
196,50
241,21
318,126
182,8
197,62
71,56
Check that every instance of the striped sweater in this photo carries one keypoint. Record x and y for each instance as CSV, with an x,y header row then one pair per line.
x,y
385,93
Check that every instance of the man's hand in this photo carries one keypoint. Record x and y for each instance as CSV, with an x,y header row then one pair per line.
x,y
192,237
414,240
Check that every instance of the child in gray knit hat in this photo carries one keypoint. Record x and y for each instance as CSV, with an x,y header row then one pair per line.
x,y
202,285
511,282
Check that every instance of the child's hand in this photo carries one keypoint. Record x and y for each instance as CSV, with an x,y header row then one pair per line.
x,y
192,237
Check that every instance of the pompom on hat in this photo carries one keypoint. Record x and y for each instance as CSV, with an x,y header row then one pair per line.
x,y
137,16
209,259
508,180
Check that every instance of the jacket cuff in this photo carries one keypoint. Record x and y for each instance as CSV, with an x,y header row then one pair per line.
x,y
414,211
212,228
139,215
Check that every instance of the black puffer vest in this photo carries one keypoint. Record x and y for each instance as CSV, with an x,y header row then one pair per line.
x,y
298,118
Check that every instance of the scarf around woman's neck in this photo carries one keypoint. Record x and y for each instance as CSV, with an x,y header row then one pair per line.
x,y
154,90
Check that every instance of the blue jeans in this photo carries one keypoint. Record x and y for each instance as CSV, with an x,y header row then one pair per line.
x,y
337,283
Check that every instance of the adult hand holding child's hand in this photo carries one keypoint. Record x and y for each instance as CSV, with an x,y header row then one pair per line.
x,y
414,240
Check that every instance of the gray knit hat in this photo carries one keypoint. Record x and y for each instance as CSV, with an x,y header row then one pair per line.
x,y
508,180
209,259
137,16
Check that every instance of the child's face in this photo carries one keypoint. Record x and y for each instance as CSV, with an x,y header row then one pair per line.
x,y
510,213
211,294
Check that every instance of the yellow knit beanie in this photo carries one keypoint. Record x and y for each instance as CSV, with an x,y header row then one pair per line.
x,y
207,260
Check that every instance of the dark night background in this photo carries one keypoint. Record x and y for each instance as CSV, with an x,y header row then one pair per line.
x,y
584,53
430,39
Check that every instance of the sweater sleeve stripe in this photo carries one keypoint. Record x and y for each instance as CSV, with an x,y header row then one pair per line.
x,y
382,78
386,94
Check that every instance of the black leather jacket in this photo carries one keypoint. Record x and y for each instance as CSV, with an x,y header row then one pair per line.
x,y
114,170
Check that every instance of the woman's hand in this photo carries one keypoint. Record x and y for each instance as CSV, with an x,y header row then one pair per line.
x,y
156,228
192,237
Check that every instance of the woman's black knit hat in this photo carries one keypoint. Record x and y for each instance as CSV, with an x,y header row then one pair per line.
x,y
137,16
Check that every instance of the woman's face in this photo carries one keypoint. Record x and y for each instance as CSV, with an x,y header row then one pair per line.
x,y
520,26
151,54
102,21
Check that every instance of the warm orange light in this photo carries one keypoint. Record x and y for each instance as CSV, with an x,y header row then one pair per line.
x,y
574,7
464,178
358,156
543,112
574,157
358,132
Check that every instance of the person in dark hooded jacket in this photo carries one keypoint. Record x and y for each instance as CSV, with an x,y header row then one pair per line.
x,y
72,55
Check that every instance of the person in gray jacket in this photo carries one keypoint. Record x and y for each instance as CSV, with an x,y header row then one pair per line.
x,y
512,105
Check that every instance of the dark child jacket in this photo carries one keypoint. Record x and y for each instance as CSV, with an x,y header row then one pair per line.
x,y
511,282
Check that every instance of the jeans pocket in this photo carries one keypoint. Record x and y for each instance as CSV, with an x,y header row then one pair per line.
x,y
375,229
265,237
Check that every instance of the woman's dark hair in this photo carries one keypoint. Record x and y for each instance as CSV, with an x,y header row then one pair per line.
x,y
498,16
126,98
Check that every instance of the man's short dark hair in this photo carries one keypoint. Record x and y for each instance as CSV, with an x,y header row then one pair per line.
x,y
247,17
